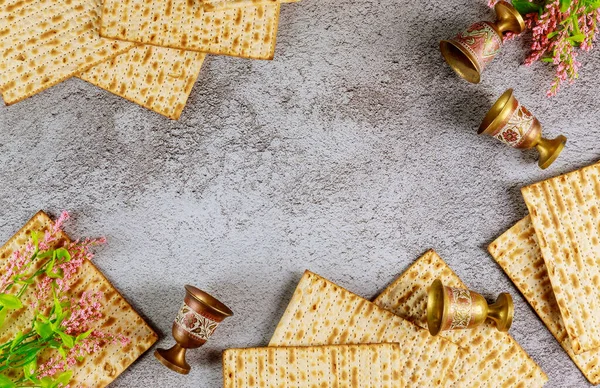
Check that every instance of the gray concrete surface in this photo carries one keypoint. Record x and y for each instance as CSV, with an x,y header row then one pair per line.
x,y
350,154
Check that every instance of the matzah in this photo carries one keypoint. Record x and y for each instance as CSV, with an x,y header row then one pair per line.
x,y
565,214
43,42
492,358
351,366
156,78
215,5
518,253
97,369
247,32
323,313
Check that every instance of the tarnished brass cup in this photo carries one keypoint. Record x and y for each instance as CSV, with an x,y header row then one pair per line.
x,y
471,50
195,323
511,123
450,308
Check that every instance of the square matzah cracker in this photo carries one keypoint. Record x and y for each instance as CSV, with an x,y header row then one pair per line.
x,y
492,358
43,42
157,78
518,253
97,370
323,313
247,32
352,366
565,212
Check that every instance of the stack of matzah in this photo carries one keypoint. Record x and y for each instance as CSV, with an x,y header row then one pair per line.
x,y
333,338
149,52
553,257
96,369
490,359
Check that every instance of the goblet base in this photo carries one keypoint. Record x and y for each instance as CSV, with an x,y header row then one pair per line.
x,y
173,359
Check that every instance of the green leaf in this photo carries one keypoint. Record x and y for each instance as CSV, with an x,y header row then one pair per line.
x,y
30,368
577,38
576,29
43,329
35,237
17,340
63,255
83,336
62,352
31,355
564,5
10,302
67,340
45,254
24,281
524,6
5,382
46,382
50,270
592,5
3,313
64,377
57,307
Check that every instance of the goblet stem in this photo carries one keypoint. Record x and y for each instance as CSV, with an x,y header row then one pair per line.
x,y
174,359
549,150
502,312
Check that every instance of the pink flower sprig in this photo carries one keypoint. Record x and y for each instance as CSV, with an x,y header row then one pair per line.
x,y
65,325
84,313
80,251
559,28
93,344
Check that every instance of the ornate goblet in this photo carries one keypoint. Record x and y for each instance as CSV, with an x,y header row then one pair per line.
x,y
195,323
450,308
471,50
511,123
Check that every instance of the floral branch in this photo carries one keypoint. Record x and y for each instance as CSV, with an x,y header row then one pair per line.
x,y
66,327
559,29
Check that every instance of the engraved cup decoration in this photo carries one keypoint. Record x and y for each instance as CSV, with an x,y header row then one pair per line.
x,y
471,50
195,323
450,308
511,123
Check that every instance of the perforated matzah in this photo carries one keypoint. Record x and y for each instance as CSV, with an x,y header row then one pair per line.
x,y
492,358
248,31
351,366
157,78
518,253
43,42
566,217
97,370
215,5
323,313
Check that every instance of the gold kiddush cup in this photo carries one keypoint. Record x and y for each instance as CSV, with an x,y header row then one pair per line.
x,y
195,323
450,308
511,123
471,50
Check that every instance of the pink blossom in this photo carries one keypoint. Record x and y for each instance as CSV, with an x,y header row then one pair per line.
x,y
83,312
53,366
15,265
57,227
553,32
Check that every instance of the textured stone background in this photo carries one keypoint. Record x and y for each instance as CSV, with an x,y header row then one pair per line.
x,y
350,154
